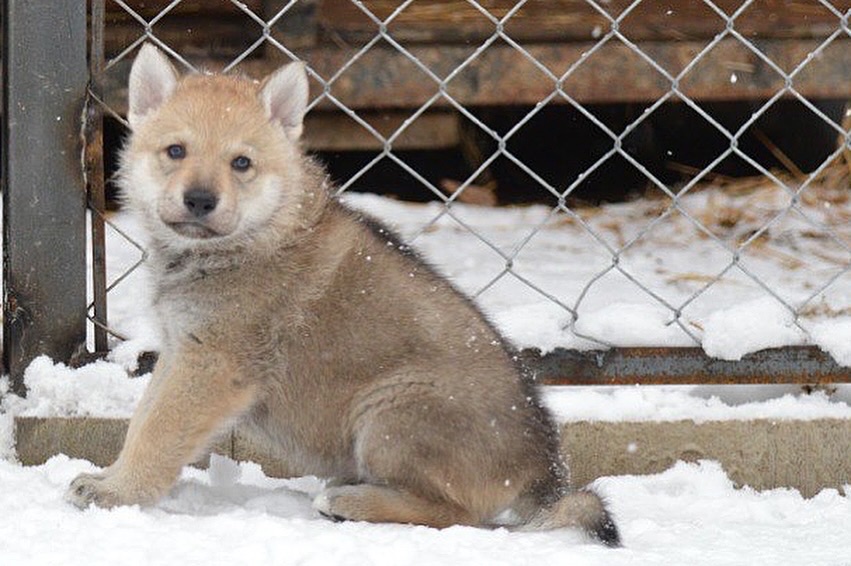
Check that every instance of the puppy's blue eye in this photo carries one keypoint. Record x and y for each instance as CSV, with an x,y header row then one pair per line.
x,y
240,163
176,151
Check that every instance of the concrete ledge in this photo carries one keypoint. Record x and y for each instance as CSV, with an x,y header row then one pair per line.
x,y
95,440
806,455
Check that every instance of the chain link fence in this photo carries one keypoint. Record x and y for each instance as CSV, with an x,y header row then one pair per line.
x,y
394,71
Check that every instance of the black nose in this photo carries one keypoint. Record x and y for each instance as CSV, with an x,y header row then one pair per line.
x,y
200,202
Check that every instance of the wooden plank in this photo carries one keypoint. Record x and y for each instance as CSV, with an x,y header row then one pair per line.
x,y
189,36
149,9
192,27
576,20
384,82
334,131
222,29
385,79
212,29
502,75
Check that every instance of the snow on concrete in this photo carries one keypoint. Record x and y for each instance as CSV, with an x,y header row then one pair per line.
x,y
99,389
685,403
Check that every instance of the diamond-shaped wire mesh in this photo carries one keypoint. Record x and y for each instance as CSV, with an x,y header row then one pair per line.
x,y
737,242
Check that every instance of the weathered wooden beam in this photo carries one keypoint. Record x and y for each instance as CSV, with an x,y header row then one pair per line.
x,y
384,78
223,28
576,20
213,29
335,131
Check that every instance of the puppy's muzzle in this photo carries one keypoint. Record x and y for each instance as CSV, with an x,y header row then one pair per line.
x,y
200,202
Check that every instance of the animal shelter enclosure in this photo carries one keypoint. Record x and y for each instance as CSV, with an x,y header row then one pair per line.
x,y
631,189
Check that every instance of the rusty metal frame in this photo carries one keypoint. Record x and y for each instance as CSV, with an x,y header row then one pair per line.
x,y
796,365
804,365
44,215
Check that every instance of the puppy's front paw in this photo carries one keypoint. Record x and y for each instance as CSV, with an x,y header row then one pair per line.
x,y
92,488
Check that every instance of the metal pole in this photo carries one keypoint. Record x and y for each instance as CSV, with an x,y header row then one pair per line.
x,y
95,177
44,201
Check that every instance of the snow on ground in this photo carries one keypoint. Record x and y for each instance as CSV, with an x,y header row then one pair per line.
x,y
232,514
689,514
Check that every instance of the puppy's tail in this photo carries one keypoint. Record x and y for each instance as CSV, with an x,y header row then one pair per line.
x,y
583,509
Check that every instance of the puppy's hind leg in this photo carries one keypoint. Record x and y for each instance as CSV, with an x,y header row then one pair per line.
x,y
416,464
383,504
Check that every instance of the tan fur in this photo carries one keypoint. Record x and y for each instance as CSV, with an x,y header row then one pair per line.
x,y
315,328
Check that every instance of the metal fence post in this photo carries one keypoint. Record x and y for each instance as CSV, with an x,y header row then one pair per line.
x,y
95,177
44,202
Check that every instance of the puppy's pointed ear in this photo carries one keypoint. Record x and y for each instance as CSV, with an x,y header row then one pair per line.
x,y
284,94
152,80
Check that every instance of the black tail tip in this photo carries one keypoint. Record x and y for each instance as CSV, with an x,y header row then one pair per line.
x,y
606,531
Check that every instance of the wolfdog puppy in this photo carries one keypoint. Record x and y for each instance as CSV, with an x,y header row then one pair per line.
x,y
314,326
